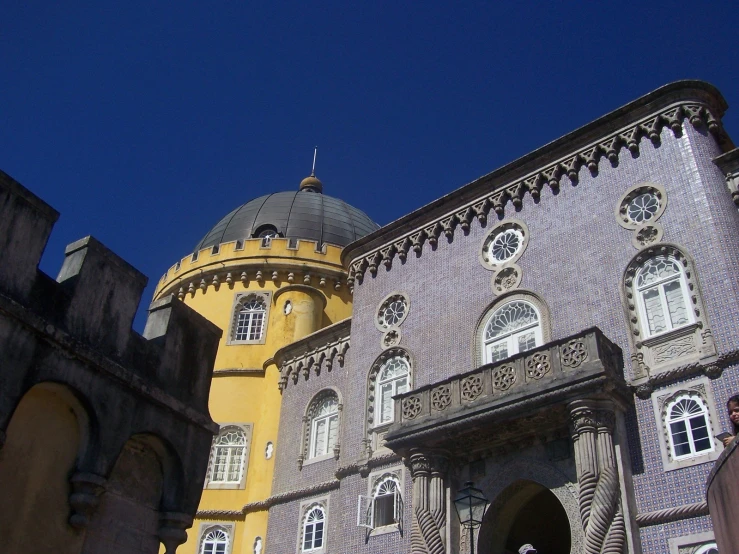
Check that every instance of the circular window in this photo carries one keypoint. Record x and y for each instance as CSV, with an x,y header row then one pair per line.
x,y
393,310
504,244
641,204
643,208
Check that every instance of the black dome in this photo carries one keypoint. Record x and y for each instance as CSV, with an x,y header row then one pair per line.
x,y
301,214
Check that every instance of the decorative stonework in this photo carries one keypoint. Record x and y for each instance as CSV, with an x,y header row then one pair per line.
x,y
441,397
642,204
391,338
687,343
392,311
552,175
507,279
646,235
504,377
313,354
574,353
504,244
411,407
471,387
538,365
729,165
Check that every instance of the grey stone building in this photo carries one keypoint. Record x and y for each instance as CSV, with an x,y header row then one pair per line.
x,y
104,433
562,332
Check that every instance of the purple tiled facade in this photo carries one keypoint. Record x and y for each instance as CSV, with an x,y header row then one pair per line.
x,y
575,261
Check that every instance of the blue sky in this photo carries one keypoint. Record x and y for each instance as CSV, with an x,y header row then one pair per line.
x,y
144,123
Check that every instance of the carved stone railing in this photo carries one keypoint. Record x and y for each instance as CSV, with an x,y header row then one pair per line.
x,y
555,367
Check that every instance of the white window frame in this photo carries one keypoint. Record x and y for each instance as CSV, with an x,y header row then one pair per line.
x,y
510,339
328,419
367,504
210,527
304,510
689,430
662,401
698,543
246,430
239,300
660,284
393,382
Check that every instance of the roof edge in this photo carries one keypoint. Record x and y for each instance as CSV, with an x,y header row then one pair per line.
x,y
673,93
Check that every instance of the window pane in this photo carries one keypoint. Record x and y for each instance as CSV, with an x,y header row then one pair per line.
x,y
401,385
320,439
699,428
676,303
318,536
526,342
386,402
498,351
220,548
237,455
680,438
510,317
384,510
655,313
308,537
333,429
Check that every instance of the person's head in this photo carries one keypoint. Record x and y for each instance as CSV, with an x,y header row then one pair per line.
x,y
733,407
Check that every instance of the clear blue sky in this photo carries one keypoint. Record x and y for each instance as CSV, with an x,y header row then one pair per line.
x,y
144,123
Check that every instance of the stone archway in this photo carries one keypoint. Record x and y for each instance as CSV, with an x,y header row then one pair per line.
x,y
514,490
525,512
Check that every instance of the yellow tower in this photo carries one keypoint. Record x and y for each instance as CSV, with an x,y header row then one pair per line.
x,y
268,274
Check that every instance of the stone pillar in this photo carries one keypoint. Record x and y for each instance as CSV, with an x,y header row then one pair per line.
x,y
173,530
429,472
592,425
304,311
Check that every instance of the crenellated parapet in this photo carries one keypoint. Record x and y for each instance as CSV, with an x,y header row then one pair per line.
x,y
72,338
255,262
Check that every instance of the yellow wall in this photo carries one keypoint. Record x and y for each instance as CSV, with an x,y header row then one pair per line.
x,y
315,284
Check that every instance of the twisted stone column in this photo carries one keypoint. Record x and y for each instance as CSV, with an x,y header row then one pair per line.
x,y
602,517
428,531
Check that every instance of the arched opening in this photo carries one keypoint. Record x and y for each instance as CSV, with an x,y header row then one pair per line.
x,y
48,430
128,513
525,513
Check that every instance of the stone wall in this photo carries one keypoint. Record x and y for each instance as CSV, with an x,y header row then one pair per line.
x,y
104,433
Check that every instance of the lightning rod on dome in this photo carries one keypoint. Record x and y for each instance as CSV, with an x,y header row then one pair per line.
x,y
315,153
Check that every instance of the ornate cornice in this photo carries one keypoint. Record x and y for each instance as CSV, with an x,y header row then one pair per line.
x,y
672,514
313,353
364,468
670,106
220,515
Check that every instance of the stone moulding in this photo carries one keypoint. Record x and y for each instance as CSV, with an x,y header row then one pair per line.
x,y
672,514
698,103
313,353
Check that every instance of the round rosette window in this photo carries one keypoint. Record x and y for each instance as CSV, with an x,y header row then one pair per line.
x,y
392,311
641,205
504,244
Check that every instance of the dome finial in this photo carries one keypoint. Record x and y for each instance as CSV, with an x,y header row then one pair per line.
x,y
312,184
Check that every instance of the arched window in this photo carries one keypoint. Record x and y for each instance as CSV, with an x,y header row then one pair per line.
x,y
386,503
710,548
392,379
228,456
689,427
249,318
662,292
215,541
514,327
324,424
313,525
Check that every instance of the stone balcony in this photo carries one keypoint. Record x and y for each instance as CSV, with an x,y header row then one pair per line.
x,y
512,399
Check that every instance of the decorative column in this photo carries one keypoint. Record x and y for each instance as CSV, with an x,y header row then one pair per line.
x,y
428,531
172,530
85,497
592,424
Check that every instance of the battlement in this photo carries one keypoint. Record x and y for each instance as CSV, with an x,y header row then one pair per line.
x,y
94,300
285,260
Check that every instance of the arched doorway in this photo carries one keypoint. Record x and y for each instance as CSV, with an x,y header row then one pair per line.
x,y
525,513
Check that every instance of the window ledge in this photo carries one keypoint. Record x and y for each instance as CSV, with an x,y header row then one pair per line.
x,y
706,458
224,486
317,459
385,529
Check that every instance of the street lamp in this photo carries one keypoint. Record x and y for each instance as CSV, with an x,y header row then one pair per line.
x,y
470,505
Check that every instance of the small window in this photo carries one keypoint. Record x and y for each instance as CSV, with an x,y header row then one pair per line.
x,y
643,207
228,456
663,296
386,505
216,249
505,245
392,311
250,319
313,527
513,328
324,427
689,427
215,541
393,379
